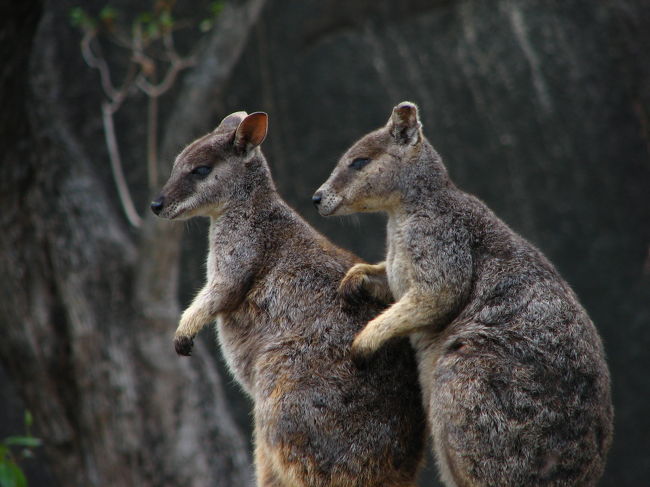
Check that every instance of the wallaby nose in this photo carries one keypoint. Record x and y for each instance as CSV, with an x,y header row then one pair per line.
x,y
316,199
157,204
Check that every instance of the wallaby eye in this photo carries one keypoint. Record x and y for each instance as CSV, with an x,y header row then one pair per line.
x,y
359,163
201,171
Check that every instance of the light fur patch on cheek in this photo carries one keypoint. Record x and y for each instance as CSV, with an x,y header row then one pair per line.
x,y
188,207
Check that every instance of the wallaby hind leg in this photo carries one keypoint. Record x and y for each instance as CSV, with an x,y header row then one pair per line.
x,y
496,425
266,476
448,463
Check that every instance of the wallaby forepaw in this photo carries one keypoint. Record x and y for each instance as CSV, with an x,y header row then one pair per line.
x,y
361,354
360,360
183,345
352,285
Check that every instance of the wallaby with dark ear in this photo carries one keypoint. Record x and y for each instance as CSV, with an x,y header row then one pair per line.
x,y
511,367
284,330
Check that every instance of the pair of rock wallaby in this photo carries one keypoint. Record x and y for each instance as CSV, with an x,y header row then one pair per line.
x,y
515,386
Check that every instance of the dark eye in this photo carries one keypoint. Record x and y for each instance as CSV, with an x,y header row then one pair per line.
x,y
201,170
359,163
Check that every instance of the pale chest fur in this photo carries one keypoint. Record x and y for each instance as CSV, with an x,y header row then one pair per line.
x,y
398,264
224,267
399,271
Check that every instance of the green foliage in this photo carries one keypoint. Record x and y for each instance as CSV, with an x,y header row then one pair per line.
x,y
150,24
215,9
79,18
26,441
11,474
108,14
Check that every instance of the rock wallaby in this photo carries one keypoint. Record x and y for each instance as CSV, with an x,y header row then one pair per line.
x,y
284,329
512,369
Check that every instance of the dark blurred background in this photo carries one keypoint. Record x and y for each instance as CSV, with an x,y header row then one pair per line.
x,y
541,108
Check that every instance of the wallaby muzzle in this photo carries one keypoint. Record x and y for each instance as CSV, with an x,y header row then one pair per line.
x,y
158,204
317,198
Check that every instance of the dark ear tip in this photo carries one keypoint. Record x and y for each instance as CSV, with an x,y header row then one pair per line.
x,y
405,109
259,115
407,104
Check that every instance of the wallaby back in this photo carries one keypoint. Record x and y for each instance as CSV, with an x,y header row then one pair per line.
x,y
285,331
512,369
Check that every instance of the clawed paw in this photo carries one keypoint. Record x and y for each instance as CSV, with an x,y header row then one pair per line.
x,y
352,287
360,360
361,354
183,345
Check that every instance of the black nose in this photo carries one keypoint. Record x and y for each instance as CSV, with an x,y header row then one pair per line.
x,y
316,199
157,204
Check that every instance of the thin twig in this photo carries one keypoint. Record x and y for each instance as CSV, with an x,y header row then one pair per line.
x,y
170,47
152,142
99,63
115,95
169,79
116,166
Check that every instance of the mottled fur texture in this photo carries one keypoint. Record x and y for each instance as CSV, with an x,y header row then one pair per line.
x,y
512,369
285,331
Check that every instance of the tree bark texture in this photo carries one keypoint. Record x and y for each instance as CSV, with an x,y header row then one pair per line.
x,y
87,306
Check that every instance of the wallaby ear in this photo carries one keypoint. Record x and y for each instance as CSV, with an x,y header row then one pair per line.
x,y
231,122
404,123
251,131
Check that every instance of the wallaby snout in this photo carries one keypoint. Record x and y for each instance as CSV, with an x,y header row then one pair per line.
x,y
317,198
327,201
158,204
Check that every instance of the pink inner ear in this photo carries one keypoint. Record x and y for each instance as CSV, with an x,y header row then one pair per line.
x,y
252,130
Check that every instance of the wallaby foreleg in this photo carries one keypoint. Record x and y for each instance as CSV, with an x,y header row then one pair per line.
x,y
366,279
208,303
410,313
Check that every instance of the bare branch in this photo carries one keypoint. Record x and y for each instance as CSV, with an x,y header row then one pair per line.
x,y
116,166
115,99
176,67
152,141
115,95
99,63
170,48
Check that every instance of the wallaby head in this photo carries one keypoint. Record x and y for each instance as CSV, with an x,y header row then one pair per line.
x,y
370,176
215,169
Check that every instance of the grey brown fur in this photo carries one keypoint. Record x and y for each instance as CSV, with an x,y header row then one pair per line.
x,y
285,331
512,369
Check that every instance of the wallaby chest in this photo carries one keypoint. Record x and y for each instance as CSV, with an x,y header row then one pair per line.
x,y
398,265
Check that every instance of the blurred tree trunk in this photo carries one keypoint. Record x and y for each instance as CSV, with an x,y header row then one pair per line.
x,y
88,307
